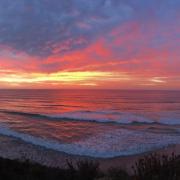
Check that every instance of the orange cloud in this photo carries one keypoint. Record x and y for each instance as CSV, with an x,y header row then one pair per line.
x,y
125,58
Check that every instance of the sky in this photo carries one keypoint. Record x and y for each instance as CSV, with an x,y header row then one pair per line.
x,y
111,44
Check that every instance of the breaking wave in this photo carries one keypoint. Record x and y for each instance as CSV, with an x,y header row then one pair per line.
x,y
101,117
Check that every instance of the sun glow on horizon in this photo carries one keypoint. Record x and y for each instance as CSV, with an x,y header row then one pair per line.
x,y
86,78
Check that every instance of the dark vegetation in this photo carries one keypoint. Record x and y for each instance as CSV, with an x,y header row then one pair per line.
x,y
151,167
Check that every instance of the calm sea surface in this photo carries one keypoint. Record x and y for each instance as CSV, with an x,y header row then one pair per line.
x,y
98,123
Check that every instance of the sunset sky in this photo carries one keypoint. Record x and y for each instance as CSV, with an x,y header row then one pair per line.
x,y
113,44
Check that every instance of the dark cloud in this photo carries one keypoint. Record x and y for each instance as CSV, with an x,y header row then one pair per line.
x,y
44,27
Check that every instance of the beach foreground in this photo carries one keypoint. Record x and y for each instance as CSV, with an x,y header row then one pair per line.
x,y
12,148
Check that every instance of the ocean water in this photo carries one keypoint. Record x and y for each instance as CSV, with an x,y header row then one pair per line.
x,y
97,123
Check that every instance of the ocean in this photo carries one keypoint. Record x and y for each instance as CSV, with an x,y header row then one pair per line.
x,y
96,123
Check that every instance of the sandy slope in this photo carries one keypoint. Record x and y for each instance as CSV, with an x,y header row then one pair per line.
x,y
16,149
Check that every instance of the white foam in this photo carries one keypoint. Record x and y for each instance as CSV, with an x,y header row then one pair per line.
x,y
170,118
120,117
109,144
103,117
107,116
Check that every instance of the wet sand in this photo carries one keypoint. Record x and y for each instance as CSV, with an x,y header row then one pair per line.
x,y
12,148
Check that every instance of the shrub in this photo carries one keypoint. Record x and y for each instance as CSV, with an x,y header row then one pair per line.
x,y
151,167
117,174
84,170
157,167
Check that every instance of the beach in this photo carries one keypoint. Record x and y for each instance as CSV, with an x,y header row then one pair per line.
x,y
115,128
12,148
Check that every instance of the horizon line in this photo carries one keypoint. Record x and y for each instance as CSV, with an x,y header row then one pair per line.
x,y
118,89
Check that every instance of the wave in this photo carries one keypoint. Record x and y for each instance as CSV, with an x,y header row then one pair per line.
x,y
35,115
111,144
112,117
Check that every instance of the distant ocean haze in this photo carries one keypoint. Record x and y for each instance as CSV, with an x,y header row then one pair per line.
x,y
97,123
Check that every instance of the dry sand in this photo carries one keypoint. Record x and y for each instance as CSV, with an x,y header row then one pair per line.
x,y
12,148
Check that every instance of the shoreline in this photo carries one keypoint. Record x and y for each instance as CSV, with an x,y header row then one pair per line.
x,y
12,148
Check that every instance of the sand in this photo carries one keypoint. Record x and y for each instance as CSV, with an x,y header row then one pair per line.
x,y
12,148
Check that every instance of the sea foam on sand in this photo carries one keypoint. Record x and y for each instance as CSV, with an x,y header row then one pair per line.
x,y
120,142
